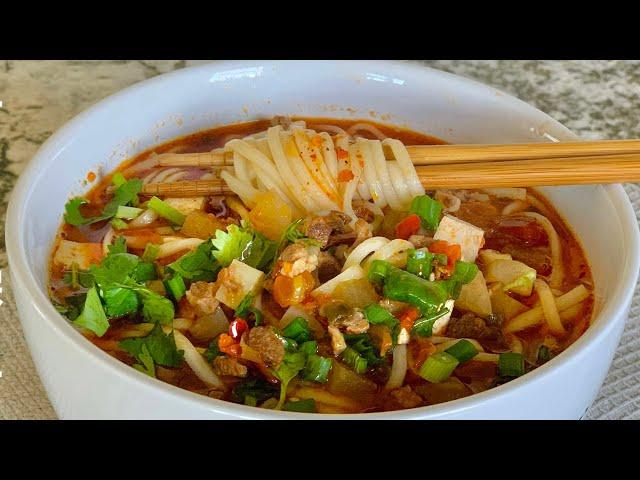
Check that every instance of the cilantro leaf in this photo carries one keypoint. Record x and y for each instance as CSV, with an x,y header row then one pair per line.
x,y
156,308
160,347
146,364
120,301
115,268
259,389
292,363
198,265
212,350
119,246
93,316
246,245
231,244
126,193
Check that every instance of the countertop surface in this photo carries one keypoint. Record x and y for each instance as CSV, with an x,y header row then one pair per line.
x,y
595,99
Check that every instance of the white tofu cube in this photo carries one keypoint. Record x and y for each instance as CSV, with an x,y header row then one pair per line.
x,y
469,237
440,325
238,280
186,205
84,254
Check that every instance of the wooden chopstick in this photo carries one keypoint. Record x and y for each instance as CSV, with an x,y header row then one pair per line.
x,y
512,173
450,154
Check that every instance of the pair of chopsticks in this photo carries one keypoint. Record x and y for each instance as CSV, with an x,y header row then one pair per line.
x,y
466,166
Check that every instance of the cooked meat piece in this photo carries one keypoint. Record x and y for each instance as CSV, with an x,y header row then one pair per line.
x,y
328,267
406,397
217,394
267,344
202,297
449,200
538,258
363,232
354,322
470,326
421,241
298,258
338,343
341,239
219,206
320,228
364,213
230,367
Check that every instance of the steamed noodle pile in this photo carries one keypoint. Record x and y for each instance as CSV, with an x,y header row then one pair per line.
x,y
315,172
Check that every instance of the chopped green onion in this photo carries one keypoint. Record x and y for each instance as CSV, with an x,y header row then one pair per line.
x,y
354,360
166,211
242,310
257,314
144,272
118,179
452,285
403,286
465,271
118,224
150,253
298,330
378,271
438,367
463,350
128,213
424,325
428,210
250,400
310,347
419,262
376,315
290,345
317,368
544,354
175,285
511,364
302,406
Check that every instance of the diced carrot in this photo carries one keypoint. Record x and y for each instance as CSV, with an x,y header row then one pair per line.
x,y
229,345
451,250
407,227
408,318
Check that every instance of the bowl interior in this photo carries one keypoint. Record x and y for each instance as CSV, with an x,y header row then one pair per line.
x,y
449,107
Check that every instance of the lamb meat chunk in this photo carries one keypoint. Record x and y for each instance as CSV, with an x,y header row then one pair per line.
x,y
320,228
202,297
328,267
229,367
471,326
267,344
406,397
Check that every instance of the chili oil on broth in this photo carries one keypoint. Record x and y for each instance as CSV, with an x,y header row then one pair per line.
x,y
485,216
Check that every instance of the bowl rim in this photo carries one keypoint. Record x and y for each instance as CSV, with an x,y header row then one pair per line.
x,y
602,326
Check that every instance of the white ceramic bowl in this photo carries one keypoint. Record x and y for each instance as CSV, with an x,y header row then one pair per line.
x,y
84,382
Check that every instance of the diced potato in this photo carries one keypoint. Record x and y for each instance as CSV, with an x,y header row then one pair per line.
x,y
202,225
344,381
516,276
440,325
356,293
236,281
186,205
487,256
505,306
474,297
469,237
84,254
271,216
450,389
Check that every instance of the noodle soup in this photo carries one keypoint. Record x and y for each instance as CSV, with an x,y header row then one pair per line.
x,y
326,279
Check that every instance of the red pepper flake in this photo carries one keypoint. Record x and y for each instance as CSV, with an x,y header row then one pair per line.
x,y
345,175
342,153
91,176
237,328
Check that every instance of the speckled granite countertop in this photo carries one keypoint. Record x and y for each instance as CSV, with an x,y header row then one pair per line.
x,y
596,99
